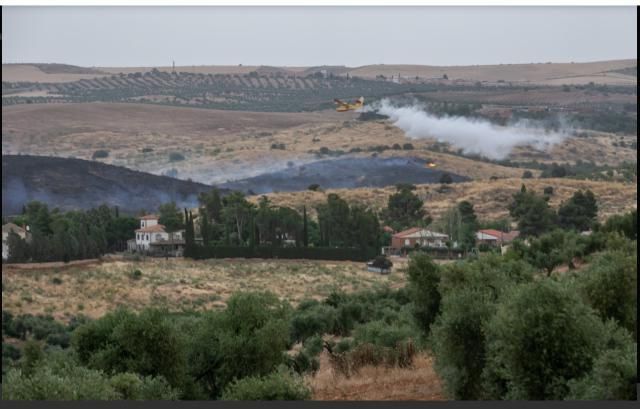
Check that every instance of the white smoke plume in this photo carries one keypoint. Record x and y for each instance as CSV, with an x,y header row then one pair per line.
x,y
471,135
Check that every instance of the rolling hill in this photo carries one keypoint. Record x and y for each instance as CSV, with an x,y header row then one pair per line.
x,y
79,184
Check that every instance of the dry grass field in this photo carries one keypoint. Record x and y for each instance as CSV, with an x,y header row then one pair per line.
x,y
223,145
559,73
419,382
94,288
490,198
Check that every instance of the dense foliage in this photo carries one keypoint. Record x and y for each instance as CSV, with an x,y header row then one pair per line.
x,y
63,236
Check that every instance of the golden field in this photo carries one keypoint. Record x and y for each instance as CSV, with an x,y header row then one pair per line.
x,y
489,197
98,287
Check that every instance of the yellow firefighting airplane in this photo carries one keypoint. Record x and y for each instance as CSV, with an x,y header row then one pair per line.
x,y
346,106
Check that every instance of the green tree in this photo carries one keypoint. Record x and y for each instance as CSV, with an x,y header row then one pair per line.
x,y
305,228
532,212
424,278
38,217
246,339
541,336
579,212
236,214
333,221
609,285
404,209
212,204
626,224
551,250
170,217
147,343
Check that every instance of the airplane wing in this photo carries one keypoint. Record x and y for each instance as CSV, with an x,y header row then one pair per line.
x,y
337,101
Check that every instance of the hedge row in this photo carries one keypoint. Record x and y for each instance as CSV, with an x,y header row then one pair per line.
x,y
311,253
435,252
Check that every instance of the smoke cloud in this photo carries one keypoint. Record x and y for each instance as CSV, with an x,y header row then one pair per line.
x,y
472,136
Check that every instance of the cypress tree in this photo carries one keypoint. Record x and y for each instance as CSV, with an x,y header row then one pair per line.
x,y
305,231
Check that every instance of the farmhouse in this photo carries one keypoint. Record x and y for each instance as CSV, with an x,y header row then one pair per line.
x,y
6,229
152,238
495,237
416,237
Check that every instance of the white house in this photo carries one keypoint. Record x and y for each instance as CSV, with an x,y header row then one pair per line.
x,y
6,229
152,236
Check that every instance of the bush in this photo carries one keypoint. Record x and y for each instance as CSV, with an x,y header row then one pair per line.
x,y
548,190
407,147
316,319
76,383
381,333
279,385
134,387
146,343
135,274
176,156
446,179
100,154
527,174
541,336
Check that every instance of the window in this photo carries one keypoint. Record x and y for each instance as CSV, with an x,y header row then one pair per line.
x,y
147,237
407,242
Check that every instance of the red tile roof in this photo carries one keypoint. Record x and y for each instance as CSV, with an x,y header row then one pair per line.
x,y
417,229
408,231
149,217
491,232
156,228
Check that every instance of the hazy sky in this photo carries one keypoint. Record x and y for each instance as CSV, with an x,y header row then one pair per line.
x,y
304,36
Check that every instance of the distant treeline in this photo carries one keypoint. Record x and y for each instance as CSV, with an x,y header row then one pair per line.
x,y
65,236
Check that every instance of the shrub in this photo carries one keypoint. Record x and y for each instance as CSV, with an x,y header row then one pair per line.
x,y
147,343
135,274
75,383
446,179
279,385
176,157
407,147
131,386
548,190
381,333
100,154
344,345
317,319
541,336
527,174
